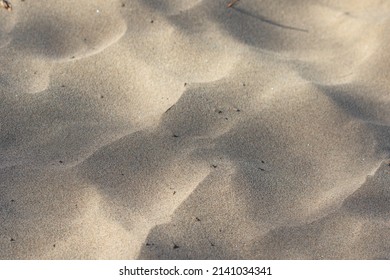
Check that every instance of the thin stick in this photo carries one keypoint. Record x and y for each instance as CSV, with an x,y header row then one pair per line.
x,y
6,5
231,4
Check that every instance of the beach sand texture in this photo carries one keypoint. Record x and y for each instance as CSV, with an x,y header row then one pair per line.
x,y
184,129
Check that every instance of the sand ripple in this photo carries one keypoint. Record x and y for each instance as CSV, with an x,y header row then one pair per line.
x,y
189,130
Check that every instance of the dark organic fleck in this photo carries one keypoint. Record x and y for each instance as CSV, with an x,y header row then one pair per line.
x,y
6,5
197,219
175,246
174,192
175,135
151,21
61,161
220,112
12,240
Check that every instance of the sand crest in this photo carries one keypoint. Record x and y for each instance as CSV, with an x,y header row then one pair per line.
x,y
190,130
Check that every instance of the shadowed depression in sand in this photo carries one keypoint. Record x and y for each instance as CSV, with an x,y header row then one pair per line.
x,y
187,129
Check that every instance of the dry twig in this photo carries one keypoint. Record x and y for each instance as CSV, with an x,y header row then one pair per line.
x,y
231,4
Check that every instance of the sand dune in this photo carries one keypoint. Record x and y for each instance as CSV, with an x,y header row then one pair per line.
x,y
189,130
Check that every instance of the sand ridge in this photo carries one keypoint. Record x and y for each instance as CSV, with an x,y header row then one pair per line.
x,y
189,130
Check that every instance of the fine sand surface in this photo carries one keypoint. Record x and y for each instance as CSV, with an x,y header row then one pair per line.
x,y
184,129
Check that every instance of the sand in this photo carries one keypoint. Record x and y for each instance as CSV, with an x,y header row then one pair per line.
x,y
184,129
